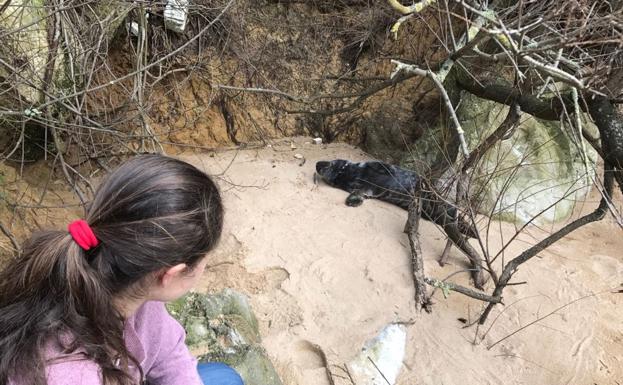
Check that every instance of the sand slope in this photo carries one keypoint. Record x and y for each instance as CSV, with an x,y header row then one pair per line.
x,y
324,276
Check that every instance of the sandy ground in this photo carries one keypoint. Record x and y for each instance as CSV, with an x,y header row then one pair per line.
x,y
321,275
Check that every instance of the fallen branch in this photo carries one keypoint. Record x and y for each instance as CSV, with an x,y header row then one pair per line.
x,y
547,109
452,231
445,286
504,131
422,300
407,11
379,370
4,6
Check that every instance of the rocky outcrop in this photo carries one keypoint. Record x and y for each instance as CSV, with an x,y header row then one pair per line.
x,y
222,328
540,168
540,171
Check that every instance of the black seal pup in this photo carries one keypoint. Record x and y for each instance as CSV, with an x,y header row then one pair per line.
x,y
390,184
397,186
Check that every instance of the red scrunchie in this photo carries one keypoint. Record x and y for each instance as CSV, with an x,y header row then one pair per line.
x,y
83,235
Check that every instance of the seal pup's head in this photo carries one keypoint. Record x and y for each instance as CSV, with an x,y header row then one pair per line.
x,y
337,173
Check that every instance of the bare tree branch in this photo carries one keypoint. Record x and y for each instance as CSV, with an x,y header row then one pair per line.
x,y
511,267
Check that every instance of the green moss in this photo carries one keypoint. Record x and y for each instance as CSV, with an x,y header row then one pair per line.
x,y
223,325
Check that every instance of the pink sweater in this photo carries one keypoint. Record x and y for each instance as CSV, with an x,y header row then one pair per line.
x,y
154,338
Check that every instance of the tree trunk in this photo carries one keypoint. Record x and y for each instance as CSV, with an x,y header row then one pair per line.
x,y
610,124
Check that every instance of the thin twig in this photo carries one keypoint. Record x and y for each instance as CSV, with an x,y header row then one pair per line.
x,y
545,316
514,264
379,370
11,237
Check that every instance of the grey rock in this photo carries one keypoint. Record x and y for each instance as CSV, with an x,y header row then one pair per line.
x,y
223,328
539,166
541,161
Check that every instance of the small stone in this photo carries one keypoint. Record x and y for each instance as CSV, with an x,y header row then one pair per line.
x,y
292,146
317,140
298,156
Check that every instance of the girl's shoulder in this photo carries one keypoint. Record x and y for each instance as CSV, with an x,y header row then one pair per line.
x,y
150,331
75,370
66,369
150,311
147,323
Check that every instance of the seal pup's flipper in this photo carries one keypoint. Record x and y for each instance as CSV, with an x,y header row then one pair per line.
x,y
354,199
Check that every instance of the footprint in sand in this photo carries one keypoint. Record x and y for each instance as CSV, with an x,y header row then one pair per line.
x,y
274,277
281,311
227,269
308,355
606,268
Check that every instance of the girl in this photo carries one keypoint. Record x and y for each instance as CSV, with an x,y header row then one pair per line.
x,y
85,306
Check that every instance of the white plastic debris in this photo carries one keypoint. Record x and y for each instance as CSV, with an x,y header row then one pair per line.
x,y
133,28
317,140
298,156
380,360
176,15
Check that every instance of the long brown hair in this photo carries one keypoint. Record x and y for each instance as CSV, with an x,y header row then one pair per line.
x,y
153,212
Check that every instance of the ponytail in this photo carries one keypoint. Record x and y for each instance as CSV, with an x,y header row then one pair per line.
x,y
152,213
49,298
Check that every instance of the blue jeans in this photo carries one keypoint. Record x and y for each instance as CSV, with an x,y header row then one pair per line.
x,y
216,373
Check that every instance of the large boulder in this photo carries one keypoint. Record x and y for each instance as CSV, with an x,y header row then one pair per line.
x,y
222,328
540,171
